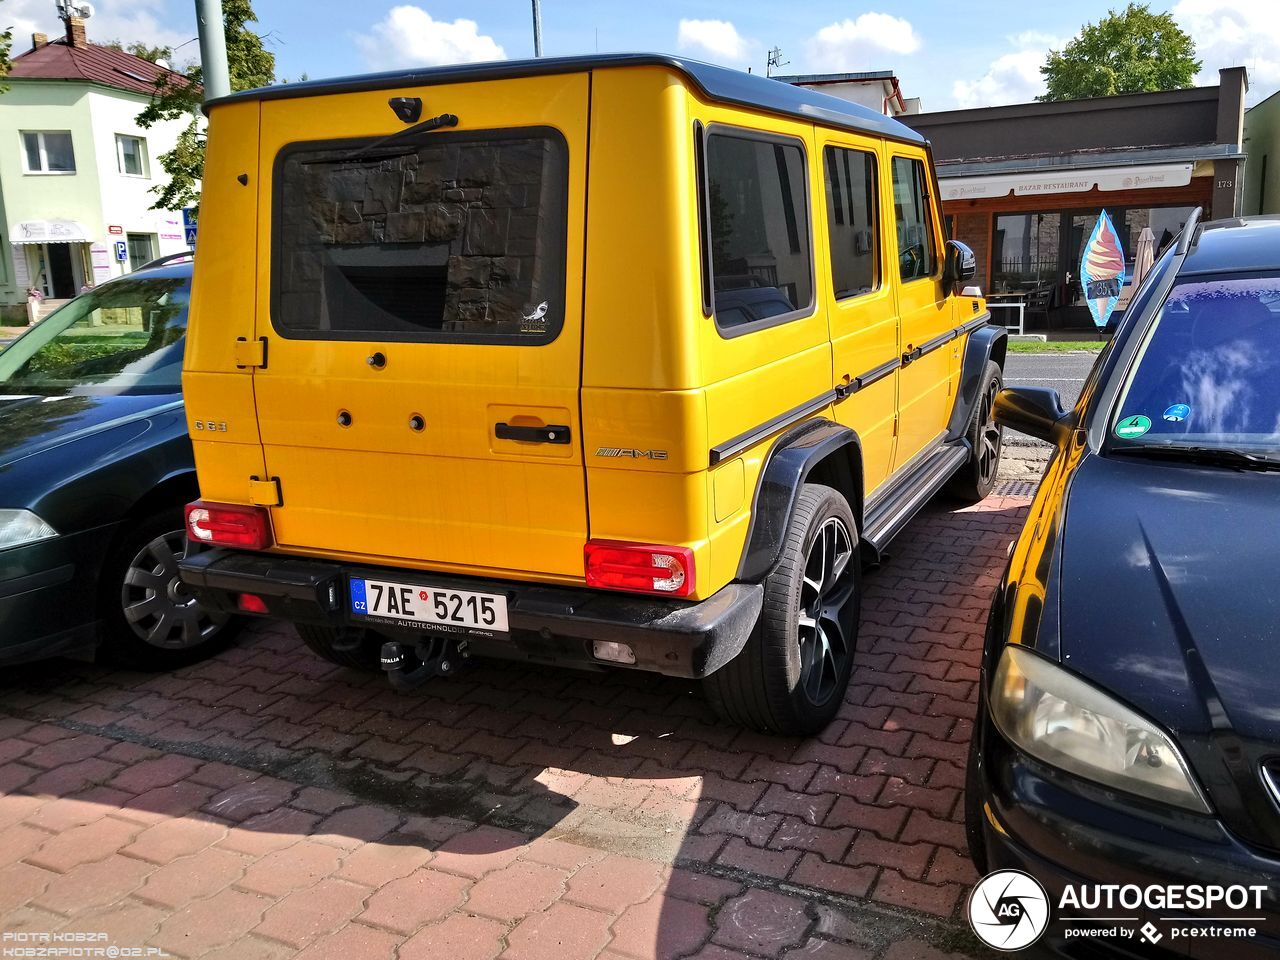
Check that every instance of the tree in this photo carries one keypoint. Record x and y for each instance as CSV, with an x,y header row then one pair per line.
x,y
249,64
1133,51
143,50
6,44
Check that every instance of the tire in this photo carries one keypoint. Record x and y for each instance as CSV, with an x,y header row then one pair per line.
x,y
974,481
351,648
150,619
791,676
973,795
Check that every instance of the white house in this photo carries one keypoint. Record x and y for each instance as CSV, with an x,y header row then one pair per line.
x,y
76,169
877,90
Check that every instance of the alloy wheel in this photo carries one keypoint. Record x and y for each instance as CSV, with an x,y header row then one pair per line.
x,y
823,627
158,606
990,435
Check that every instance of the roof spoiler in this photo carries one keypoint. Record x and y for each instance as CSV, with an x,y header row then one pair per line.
x,y
1188,237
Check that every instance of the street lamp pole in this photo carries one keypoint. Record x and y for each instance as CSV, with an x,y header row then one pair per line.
x,y
213,49
537,28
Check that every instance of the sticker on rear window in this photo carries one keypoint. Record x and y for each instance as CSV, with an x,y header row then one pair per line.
x,y
1131,427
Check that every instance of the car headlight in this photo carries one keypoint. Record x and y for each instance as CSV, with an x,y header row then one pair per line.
x,y
22,526
1058,718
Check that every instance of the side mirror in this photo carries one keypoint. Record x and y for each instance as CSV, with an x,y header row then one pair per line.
x,y
1035,411
960,263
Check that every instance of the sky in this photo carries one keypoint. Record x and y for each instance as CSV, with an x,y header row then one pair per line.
x,y
951,55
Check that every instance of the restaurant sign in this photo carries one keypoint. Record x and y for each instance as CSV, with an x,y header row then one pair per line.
x,y
1110,179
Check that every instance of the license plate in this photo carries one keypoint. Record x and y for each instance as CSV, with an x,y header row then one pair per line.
x,y
433,607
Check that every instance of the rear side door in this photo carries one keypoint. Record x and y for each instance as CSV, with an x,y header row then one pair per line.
x,y
863,315
420,302
924,384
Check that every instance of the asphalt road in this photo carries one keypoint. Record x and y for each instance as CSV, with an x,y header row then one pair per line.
x,y
1064,372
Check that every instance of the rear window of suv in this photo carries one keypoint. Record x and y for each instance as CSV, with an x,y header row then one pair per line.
x,y
447,237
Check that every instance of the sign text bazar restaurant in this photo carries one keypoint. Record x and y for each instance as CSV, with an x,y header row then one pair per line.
x,y
1024,184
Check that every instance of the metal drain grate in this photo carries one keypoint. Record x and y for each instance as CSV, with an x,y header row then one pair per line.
x,y
1015,488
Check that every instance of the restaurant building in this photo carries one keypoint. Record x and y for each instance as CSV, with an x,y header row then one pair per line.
x,y
1024,185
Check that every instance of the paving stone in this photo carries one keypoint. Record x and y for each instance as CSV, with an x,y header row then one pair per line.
x,y
306,915
458,937
377,863
354,942
293,868
191,878
517,890
170,839
661,926
424,896
761,921
93,884
93,841
222,919
564,932
476,852
615,882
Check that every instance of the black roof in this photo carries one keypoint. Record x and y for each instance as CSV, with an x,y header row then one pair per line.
x,y
715,83
1242,244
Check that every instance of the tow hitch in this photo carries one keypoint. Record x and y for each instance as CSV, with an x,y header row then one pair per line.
x,y
410,665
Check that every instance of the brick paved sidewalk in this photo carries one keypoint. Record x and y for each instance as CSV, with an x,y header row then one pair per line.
x,y
266,804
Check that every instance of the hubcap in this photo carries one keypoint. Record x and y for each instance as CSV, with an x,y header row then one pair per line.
x,y
157,604
990,435
824,621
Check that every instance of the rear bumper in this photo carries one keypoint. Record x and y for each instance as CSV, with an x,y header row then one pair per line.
x,y
547,624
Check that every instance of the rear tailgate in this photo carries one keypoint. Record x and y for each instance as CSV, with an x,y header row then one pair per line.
x,y
422,305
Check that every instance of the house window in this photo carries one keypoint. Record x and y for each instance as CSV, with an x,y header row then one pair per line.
x,y
131,155
48,151
142,249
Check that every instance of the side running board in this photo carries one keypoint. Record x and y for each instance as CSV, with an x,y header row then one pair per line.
x,y
887,515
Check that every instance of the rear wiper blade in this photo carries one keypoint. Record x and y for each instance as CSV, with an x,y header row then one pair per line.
x,y
426,126
1215,456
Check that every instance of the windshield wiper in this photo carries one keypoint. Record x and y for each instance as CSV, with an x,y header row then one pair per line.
x,y
1213,456
426,126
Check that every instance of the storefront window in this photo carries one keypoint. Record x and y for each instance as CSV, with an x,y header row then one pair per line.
x,y
1026,249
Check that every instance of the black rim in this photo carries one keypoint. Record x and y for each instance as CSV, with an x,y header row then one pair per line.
x,y
157,605
823,623
990,435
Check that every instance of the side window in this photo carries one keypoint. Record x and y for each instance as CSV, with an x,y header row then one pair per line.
x,y
851,221
758,230
917,255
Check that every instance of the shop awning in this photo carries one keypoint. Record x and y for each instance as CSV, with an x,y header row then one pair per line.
x,y
50,231
1145,177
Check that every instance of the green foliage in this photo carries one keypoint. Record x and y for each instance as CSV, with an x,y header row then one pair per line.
x,y
6,45
249,65
1132,51
140,49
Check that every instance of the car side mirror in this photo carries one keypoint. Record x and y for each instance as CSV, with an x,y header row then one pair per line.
x,y
1035,411
959,264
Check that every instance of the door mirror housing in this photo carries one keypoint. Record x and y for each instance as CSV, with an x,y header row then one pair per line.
x,y
1035,411
960,264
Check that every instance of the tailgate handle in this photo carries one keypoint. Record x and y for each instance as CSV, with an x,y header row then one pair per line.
x,y
553,433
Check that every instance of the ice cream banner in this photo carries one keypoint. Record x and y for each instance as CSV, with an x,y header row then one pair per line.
x,y
1102,269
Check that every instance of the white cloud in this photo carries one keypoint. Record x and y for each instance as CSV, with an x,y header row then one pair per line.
x,y
1012,77
123,20
1233,33
718,40
409,37
865,43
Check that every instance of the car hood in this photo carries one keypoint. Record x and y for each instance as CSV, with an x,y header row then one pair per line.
x,y
32,424
1169,591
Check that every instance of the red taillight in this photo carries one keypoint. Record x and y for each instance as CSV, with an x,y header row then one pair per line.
x,y
229,525
639,567
251,603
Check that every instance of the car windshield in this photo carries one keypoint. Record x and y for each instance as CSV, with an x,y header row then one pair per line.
x,y
124,337
1208,376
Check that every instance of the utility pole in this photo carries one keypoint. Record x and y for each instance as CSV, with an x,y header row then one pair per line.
x,y
537,28
213,49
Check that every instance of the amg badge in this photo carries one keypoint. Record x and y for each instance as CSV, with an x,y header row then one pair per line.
x,y
632,454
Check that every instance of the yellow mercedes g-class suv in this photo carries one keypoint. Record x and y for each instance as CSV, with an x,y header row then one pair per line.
x,y
614,361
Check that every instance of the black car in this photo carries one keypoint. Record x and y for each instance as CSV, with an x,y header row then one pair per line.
x,y
95,467
1129,722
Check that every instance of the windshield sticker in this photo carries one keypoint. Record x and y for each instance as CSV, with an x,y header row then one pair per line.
x,y
1177,413
1131,427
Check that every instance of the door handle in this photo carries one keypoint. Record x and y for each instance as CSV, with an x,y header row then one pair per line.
x,y
552,433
